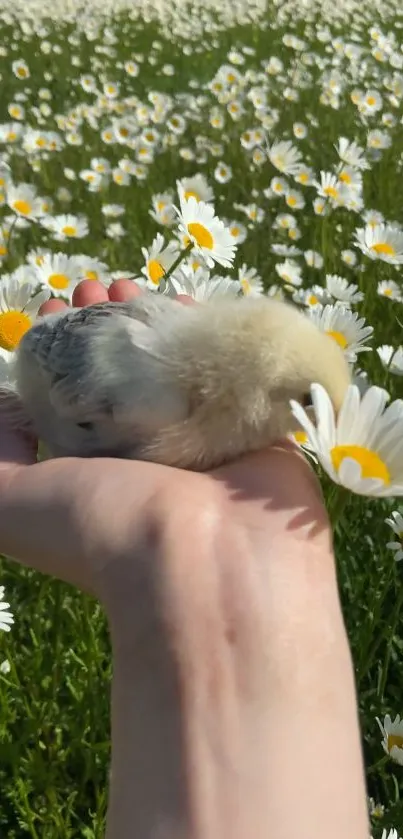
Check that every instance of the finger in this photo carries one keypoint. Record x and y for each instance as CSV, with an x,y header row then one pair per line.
x,y
185,299
17,448
88,292
52,306
121,290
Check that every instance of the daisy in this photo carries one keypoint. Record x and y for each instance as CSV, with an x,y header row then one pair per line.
x,y
59,274
392,358
159,260
313,259
286,250
7,368
20,69
65,227
289,271
330,187
390,289
341,290
6,617
382,242
370,103
18,309
197,188
250,281
208,234
345,328
363,448
279,186
396,523
378,140
199,285
238,231
162,209
294,199
312,297
115,230
349,257
352,154
93,269
24,201
391,834
304,175
113,210
352,178
285,157
223,173
392,733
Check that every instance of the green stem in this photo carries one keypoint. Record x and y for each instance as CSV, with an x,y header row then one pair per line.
x,y
177,262
338,503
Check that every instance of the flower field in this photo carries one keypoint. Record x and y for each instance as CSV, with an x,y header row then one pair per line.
x,y
256,149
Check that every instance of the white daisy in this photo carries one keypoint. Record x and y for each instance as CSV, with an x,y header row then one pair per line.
x,y
158,260
289,271
285,157
250,281
196,187
18,309
395,521
6,617
238,231
24,201
199,285
352,154
66,227
208,234
331,187
363,448
342,290
382,242
392,358
223,173
93,269
313,259
345,327
390,289
312,297
162,208
349,257
392,737
59,274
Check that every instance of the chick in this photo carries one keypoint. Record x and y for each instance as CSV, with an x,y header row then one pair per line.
x,y
187,386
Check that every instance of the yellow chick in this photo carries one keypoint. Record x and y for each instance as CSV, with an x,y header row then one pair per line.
x,y
187,386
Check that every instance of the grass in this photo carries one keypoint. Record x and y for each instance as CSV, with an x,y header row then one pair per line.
x,y
54,702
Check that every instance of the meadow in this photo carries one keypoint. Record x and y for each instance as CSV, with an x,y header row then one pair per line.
x,y
288,119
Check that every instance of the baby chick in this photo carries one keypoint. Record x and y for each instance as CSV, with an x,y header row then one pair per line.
x,y
187,386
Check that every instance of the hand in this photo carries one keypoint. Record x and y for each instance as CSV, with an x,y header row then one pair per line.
x,y
232,674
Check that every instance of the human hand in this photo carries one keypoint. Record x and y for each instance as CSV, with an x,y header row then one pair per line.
x,y
232,674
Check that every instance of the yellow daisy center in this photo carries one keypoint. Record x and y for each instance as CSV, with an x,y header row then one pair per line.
x,y
203,236
331,191
387,292
13,325
21,72
3,250
300,437
372,466
344,176
156,271
192,194
384,247
59,281
303,177
395,740
291,201
22,206
245,285
91,275
340,339
371,100
69,230
312,300
234,231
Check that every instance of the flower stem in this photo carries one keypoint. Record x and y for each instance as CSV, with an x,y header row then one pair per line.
x,y
338,502
177,262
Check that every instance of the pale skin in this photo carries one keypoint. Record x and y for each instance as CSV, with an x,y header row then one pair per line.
x,y
234,712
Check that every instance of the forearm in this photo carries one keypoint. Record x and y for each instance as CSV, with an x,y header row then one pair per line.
x,y
234,714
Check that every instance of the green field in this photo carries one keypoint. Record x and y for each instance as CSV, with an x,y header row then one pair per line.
x,y
197,91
